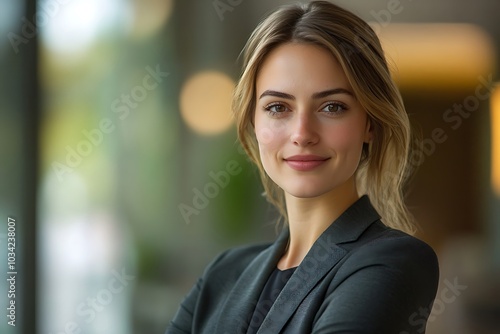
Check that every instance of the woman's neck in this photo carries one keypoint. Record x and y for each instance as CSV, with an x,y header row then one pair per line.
x,y
308,218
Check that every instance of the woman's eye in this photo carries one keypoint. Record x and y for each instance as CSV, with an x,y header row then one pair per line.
x,y
335,108
277,108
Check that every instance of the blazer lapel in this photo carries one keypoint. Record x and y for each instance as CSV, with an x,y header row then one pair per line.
x,y
240,304
321,258
312,269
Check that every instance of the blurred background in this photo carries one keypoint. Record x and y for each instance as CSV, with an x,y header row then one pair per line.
x,y
121,170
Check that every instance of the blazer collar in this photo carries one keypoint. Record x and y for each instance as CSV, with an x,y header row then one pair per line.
x,y
321,258
353,222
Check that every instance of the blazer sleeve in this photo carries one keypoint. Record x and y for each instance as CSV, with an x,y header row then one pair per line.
x,y
182,323
386,286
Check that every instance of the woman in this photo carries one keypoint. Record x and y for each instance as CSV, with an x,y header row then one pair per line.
x,y
318,113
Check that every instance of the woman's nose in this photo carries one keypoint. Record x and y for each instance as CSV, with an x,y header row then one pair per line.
x,y
304,131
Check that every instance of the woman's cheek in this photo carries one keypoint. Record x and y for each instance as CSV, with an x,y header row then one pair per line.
x,y
270,135
343,138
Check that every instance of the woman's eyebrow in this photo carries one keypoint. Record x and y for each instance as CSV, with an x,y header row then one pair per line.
x,y
329,92
277,94
318,95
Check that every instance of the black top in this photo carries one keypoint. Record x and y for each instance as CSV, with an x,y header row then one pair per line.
x,y
272,289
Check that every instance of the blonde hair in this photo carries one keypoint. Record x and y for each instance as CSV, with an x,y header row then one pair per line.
x,y
383,168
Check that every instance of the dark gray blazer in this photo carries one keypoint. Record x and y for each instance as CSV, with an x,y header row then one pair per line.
x,y
359,277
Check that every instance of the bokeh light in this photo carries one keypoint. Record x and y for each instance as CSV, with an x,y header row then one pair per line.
x,y
438,55
69,28
495,140
206,102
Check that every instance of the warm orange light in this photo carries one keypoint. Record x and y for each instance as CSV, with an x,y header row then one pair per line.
x,y
495,140
426,56
206,102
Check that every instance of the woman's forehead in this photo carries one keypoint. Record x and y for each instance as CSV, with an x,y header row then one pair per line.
x,y
293,66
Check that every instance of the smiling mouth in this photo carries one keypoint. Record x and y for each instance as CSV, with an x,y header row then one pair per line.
x,y
305,162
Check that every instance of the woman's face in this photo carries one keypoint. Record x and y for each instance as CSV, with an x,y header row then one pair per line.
x,y
309,126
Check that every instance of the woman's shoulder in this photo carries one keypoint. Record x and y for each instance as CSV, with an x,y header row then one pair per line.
x,y
408,244
396,249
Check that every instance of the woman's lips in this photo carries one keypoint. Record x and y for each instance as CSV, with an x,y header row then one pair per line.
x,y
305,162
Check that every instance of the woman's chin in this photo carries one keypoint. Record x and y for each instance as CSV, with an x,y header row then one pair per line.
x,y
307,191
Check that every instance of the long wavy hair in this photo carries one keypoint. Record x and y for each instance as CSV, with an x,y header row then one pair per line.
x,y
383,168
